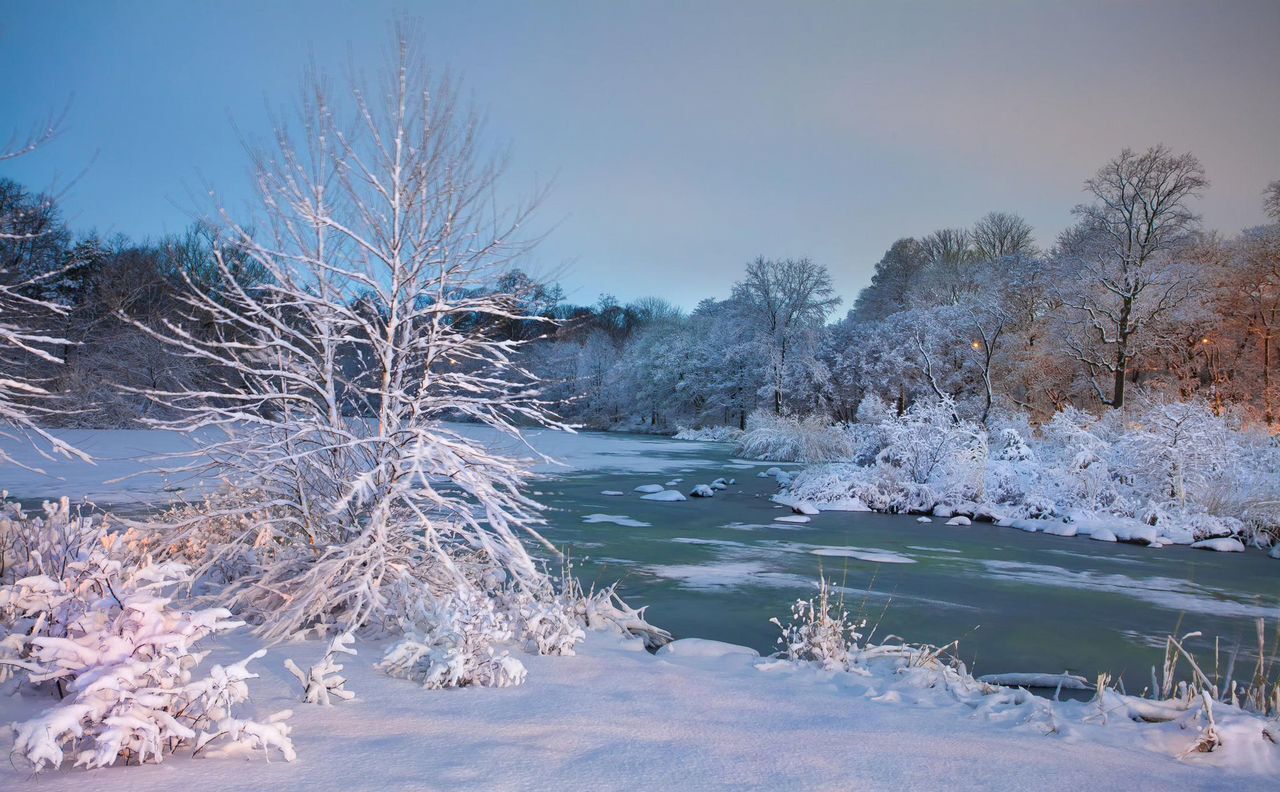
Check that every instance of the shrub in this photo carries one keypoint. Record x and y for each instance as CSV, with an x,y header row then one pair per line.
x,y
786,438
107,636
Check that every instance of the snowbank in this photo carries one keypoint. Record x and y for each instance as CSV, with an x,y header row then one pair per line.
x,y
699,715
1174,474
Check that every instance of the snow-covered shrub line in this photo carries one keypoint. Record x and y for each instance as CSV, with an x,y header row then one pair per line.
x,y
1173,473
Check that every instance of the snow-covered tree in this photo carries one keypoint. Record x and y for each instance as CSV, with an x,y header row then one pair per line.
x,y
379,249
897,276
25,222
787,302
1119,259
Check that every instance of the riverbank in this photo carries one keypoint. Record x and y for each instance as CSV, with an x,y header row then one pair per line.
x,y
698,716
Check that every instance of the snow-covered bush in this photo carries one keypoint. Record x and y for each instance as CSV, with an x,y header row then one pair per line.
x,y
1078,446
820,631
107,636
463,646
547,622
788,438
225,536
321,681
710,434
929,443
1176,452
43,544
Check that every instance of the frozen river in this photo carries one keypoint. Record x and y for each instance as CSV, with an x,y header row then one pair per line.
x,y
721,567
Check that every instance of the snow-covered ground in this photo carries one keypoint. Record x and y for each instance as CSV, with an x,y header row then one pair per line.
x,y
699,716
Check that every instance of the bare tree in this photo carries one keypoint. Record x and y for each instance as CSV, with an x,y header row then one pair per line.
x,y
785,300
951,258
1000,234
1271,200
381,249
1140,215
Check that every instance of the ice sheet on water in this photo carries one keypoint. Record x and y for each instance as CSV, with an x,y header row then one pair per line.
x,y
873,555
726,574
690,540
1169,593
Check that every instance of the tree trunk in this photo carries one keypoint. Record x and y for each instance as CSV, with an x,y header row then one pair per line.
x,y
1268,412
1122,355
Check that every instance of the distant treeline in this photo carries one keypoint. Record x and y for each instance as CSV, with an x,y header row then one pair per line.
x,y
1134,300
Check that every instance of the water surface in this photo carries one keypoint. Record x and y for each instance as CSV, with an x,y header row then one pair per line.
x,y
722,567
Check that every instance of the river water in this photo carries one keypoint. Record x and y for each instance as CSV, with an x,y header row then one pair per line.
x,y
721,567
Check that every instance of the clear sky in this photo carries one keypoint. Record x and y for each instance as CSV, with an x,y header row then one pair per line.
x,y
684,138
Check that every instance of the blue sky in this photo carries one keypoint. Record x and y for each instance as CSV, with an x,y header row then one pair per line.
x,y
684,138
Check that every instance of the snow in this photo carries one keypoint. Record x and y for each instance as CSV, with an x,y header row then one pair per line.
x,y
959,521
792,518
795,504
667,496
649,488
1064,681
612,493
616,519
702,491
120,472
845,505
1157,475
1223,544
874,556
704,648
924,519
698,715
